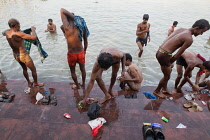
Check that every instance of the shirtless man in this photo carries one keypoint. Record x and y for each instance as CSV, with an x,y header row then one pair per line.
x,y
142,33
16,42
133,75
181,39
51,27
171,30
189,60
108,57
74,29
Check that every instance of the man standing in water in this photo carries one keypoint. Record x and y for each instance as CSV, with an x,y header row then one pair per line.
x,y
108,57
171,30
181,39
74,29
142,34
51,27
16,42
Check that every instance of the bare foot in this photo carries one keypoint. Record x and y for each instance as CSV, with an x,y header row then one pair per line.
x,y
179,90
113,95
105,99
39,84
82,86
74,86
166,92
174,91
159,94
30,84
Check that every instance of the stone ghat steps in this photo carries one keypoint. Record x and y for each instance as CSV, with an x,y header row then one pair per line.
x,y
23,120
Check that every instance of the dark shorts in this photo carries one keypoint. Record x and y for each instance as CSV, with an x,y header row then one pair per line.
x,y
163,58
181,61
142,40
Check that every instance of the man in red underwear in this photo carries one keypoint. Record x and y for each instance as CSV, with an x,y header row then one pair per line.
x,y
75,29
180,40
189,60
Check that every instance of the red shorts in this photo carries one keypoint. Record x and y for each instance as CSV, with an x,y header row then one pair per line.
x,y
74,58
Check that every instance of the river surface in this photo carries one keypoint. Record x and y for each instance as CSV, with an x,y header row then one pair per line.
x,y
112,23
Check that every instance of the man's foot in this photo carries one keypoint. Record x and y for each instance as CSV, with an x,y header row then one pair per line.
x,y
39,84
105,99
159,94
30,84
179,90
113,95
167,92
74,86
82,86
174,91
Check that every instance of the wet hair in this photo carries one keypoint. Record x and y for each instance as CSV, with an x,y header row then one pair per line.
x,y
206,64
146,16
105,60
128,57
50,20
202,24
175,23
13,22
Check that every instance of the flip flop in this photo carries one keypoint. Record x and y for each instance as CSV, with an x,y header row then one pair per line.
x,y
134,95
148,132
195,108
157,129
189,104
46,99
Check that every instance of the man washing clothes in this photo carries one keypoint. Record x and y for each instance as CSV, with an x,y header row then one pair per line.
x,y
75,29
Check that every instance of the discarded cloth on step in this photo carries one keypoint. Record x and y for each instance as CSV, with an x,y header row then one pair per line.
x,y
149,95
96,124
36,42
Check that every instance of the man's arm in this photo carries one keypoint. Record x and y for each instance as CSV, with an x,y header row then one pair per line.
x,y
53,30
170,31
65,15
27,36
123,59
85,41
47,29
181,50
94,74
135,79
4,32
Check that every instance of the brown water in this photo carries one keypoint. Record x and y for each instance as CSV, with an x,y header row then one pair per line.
x,y
112,23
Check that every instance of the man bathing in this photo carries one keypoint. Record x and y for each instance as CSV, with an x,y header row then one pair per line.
x,y
181,39
142,33
133,75
189,60
75,29
51,27
16,42
171,30
108,57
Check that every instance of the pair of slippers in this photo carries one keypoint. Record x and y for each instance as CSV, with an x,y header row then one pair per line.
x,y
133,95
7,97
49,99
152,131
193,107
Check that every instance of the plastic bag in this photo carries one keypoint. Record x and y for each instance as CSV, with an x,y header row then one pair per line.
x,y
96,124
39,96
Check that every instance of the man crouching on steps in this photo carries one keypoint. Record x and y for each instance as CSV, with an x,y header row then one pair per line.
x,y
133,75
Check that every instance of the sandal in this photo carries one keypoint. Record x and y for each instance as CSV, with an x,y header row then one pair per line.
x,y
157,128
53,100
189,104
147,131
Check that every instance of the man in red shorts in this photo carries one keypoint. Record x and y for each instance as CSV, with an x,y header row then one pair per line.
x,y
75,29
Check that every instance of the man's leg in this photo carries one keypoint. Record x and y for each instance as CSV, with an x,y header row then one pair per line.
x,y
74,76
178,78
25,73
31,66
179,88
82,69
140,48
115,69
163,82
103,88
